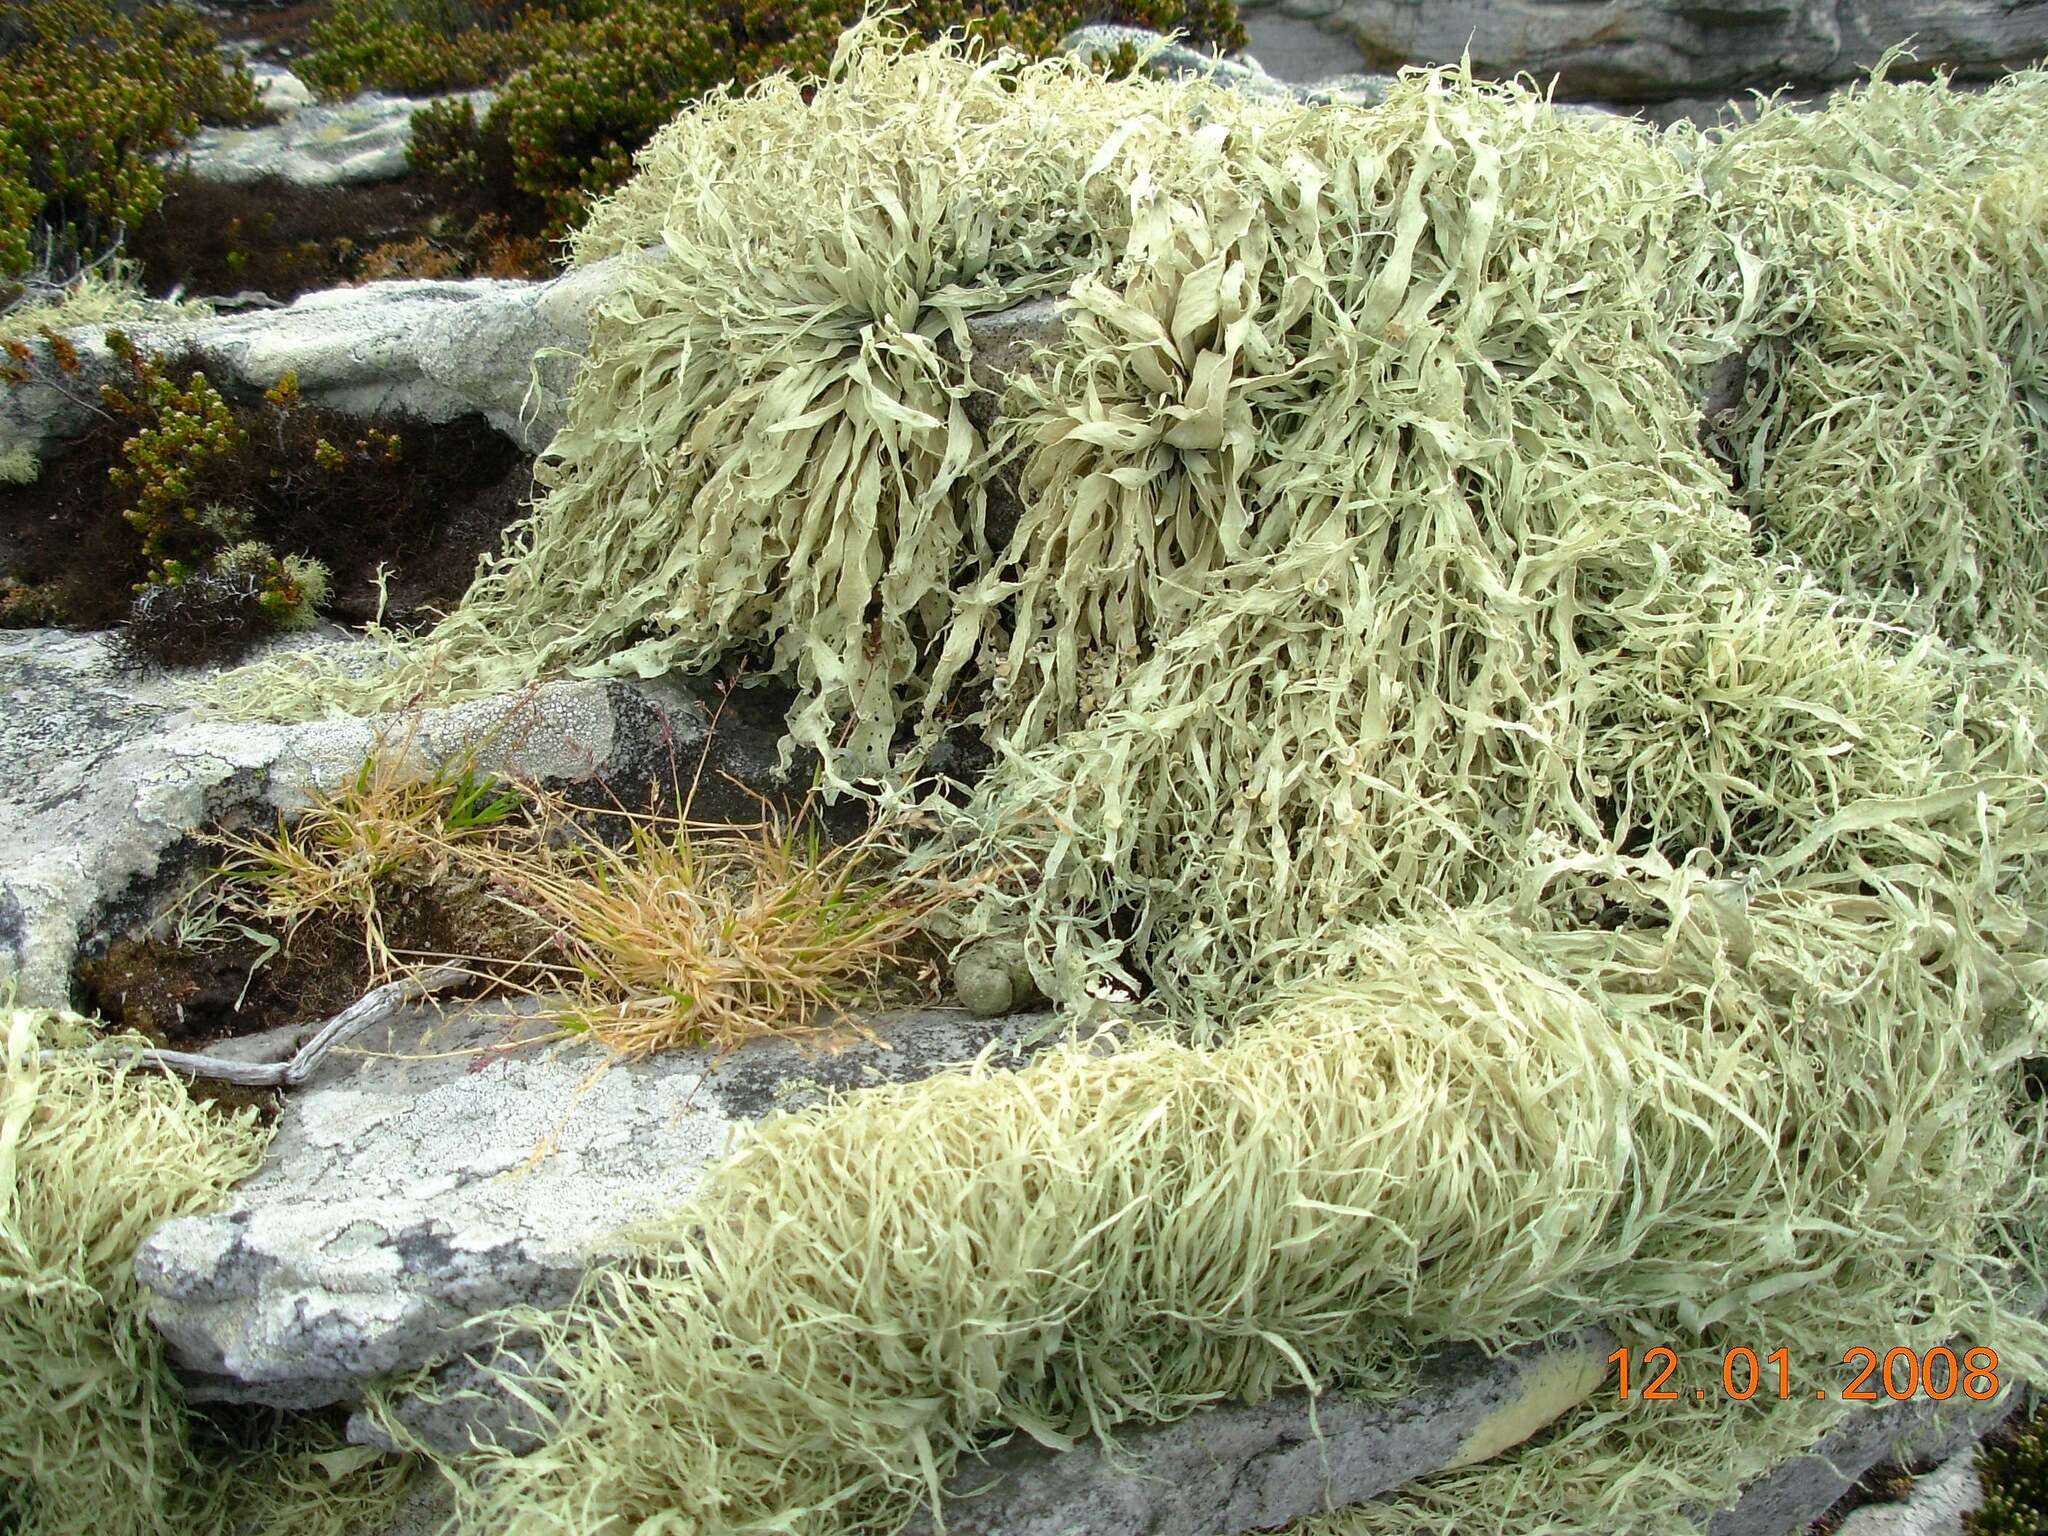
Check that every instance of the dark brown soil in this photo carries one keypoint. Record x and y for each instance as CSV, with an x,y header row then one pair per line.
x,y
63,559
68,557
463,483
185,998
270,236
278,239
280,29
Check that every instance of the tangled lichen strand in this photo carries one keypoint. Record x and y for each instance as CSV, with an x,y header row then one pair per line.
x,y
1578,888
1370,558
1484,1132
1882,279
95,1439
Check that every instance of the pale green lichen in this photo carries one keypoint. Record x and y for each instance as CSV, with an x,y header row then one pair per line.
x,y
95,1437
1485,1133
1579,887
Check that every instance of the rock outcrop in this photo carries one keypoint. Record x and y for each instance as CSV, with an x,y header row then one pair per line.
x,y
1655,50
313,144
430,349
1179,62
109,778
436,1169
1257,1466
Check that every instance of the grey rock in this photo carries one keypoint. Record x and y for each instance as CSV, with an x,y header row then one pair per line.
x,y
1235,1467
1254,1466
429,349
1295,48
280,89
1005,340
466,1403
108,778
361,140
1798,1491
1650,50
1180,62
440,1168
1935,1507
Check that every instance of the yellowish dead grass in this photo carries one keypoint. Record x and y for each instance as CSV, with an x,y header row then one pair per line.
x,y
660,930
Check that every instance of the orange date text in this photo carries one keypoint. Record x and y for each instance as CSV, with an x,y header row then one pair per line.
x,y
1863,1375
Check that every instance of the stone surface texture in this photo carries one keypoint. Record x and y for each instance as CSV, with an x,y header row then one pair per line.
x,y
280,89
1935,1507
109,777
1178,61
362,139
426,348
1653,50
1295,48
1797,1492
1254,1466
440,1167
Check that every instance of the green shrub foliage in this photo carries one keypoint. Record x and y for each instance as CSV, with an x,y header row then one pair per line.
x,y
419,46
87,98
196,473
2014,1468
597,82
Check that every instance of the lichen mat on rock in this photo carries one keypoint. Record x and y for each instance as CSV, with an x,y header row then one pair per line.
x,y
1587,851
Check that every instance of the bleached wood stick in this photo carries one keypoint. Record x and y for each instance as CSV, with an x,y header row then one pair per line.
x,y
373,1007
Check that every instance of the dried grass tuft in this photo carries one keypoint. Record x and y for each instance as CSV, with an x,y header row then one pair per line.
x,y
683,933
339,857
644,930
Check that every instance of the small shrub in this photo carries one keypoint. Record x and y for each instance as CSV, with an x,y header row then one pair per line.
x,y
418,47
575,119
210,616
184,451
572,122
177,471
465,163
87,98
194,461
565,130
20,202
2014,1468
